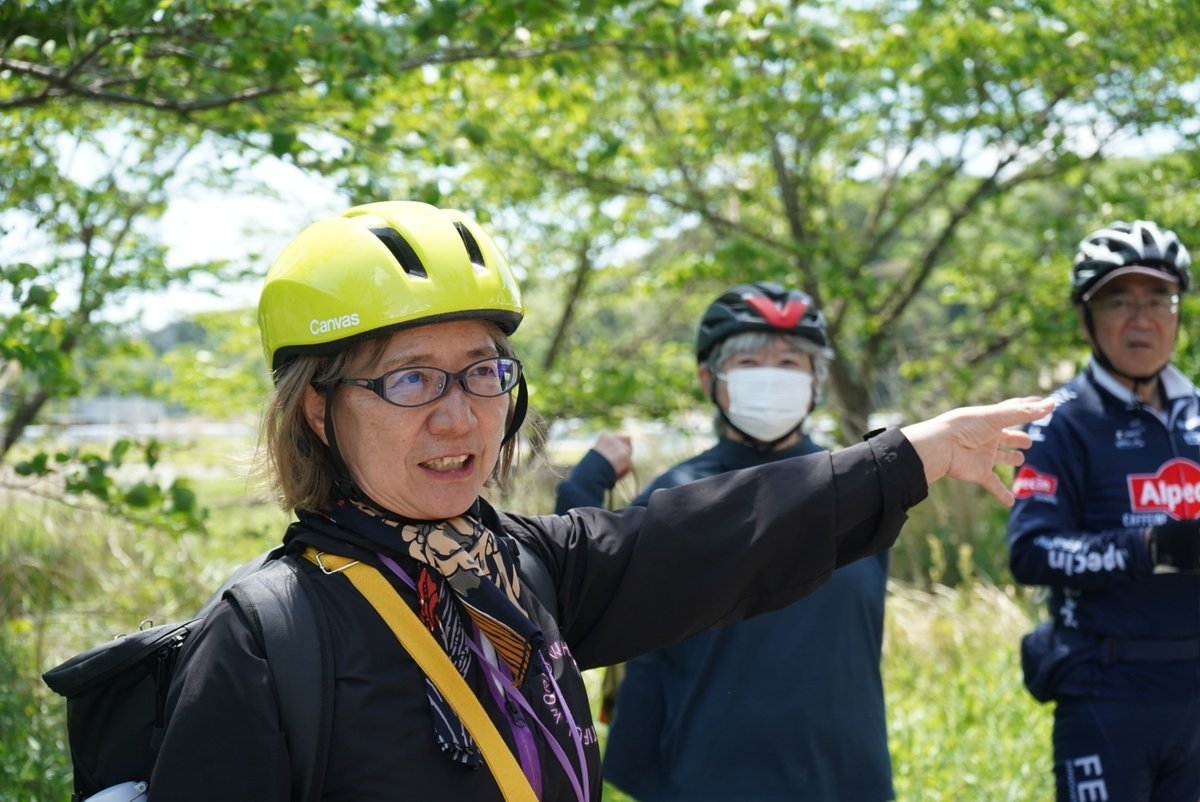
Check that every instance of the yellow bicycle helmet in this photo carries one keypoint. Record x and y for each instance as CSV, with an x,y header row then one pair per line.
x,y
382,266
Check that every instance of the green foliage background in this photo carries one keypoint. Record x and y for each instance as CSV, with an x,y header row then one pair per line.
x,y
923,169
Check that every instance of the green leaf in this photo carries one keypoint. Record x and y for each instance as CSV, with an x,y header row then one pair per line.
x,y
142,495
38,465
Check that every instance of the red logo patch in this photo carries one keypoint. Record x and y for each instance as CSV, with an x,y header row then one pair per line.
x,y
1030,482
1175,490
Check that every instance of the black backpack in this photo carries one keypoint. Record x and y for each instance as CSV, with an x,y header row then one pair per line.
x,y
116,692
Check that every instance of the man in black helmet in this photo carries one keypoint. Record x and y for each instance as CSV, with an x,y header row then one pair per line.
x,y
788,705
1106,517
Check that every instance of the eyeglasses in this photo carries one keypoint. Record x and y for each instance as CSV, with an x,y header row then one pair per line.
x,y
1160,307
420,385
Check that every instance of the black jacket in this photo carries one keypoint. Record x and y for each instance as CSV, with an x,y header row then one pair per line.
x,y
713,551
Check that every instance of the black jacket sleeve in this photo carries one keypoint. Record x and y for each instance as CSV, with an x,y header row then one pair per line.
x,y
721,548
586,484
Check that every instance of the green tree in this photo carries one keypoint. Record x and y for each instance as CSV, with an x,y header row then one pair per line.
x,y
922,169
110,108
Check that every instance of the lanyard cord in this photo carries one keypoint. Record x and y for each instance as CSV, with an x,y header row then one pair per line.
x,y
579,783
526,748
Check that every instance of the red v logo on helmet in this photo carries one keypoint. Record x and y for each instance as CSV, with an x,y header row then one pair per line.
x,y
781,318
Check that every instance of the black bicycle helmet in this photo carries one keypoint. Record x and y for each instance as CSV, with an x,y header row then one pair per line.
x,y
762,306
1122,248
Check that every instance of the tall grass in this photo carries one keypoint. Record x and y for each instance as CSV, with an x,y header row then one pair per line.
x,y
961,725
41,571
71,578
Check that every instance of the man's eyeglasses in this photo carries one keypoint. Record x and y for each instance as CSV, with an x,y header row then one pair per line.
x,y
419,385
1160,307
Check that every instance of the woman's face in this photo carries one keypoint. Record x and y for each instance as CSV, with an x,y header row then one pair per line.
x,y
777,353
426,462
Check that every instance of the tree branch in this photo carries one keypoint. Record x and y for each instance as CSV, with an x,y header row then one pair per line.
x,y
579,280
59,83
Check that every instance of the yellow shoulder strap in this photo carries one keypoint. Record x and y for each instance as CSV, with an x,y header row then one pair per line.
x,y
432,659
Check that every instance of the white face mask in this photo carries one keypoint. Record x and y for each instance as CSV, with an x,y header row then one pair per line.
x,y
767,403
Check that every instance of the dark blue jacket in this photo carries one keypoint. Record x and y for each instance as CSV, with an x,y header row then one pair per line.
x,y
787,705
1103,468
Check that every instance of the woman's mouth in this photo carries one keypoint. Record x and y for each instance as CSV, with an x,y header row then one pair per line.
x,y
448,464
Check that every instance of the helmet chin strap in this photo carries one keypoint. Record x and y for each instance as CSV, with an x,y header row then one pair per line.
x,y
522,405
342,479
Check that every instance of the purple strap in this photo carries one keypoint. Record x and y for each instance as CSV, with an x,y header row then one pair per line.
x,y
531,764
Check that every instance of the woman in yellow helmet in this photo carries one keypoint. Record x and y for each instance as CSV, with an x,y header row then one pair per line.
x,y
397,397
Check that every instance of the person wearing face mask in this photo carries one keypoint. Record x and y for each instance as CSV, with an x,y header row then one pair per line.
x,y
788,705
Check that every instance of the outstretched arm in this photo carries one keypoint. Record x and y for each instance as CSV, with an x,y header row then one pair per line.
x,y
772,533
969,442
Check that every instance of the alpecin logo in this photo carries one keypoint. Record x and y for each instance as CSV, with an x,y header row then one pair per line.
x,y
1175,490
1030,482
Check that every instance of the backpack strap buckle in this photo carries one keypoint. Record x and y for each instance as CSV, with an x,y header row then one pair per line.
x,y
328,563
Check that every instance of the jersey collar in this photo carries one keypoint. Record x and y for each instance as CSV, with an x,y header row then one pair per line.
x,y
1175,384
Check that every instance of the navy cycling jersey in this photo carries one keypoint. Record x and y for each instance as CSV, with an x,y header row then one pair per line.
x,y
1103,467
786,705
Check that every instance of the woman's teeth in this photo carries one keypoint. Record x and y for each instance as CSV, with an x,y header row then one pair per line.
x,y
447,463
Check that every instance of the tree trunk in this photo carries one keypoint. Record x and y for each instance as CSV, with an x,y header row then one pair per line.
x,y
25,413
851,402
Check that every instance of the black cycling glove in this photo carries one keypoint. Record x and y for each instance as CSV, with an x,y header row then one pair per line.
x,y
1176,544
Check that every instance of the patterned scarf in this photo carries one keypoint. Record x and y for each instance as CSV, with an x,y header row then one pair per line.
x,y
460,564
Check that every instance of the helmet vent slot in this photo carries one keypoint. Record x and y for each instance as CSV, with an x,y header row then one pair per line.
x,y
473,252
404,253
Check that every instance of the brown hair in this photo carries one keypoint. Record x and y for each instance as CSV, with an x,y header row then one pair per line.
x,y
298,467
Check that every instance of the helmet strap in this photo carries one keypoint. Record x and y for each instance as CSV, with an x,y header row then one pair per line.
x,y
341,478
519,410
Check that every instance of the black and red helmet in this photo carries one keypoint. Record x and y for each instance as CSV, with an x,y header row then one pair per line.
x,y
762,306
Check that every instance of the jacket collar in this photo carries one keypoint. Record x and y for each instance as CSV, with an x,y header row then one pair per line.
x,y
733,455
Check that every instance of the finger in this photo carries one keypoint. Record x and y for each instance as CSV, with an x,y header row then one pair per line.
x,y
1016,411
1015,438
997,488
1010,458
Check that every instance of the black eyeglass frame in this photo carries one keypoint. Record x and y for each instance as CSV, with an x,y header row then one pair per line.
x,y
378,385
